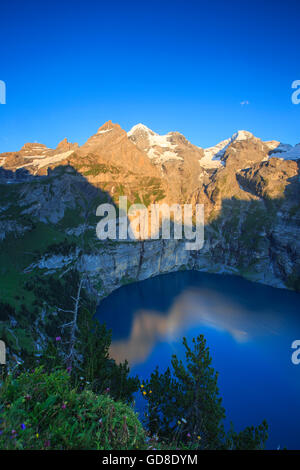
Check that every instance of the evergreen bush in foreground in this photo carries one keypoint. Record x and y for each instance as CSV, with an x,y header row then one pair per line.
x,y
52,407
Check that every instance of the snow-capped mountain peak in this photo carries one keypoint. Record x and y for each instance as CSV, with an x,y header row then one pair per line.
x,y
159,148
140,128
213,155
242,135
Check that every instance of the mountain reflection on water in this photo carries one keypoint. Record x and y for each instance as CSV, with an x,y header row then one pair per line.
x,y
249,329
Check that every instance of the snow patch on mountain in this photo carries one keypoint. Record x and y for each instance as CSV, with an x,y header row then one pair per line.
x,y
242,135
139,127
52,159
158,147
40,161
213,155
286,152
104,132
276,146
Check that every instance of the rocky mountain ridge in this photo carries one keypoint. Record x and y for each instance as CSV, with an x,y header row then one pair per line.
x,y
118,162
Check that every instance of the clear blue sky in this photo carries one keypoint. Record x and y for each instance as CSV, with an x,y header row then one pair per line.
x,y
186,65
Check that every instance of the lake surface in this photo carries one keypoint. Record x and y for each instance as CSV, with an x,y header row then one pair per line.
x,y
249,329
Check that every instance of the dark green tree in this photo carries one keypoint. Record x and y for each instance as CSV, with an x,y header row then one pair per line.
x,y
184,406
251,438
97,367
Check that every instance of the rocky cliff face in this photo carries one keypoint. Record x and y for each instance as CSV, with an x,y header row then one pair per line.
x,y
48,199
250,190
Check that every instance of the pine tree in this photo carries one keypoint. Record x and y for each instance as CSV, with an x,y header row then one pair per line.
x,y
184,406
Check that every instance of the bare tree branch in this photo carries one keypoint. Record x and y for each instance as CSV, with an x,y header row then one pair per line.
x,y
72,353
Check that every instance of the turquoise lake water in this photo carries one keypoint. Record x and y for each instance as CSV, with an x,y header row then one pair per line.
x,y
249,329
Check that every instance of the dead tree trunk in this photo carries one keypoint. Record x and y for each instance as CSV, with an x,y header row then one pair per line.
x,y
73,325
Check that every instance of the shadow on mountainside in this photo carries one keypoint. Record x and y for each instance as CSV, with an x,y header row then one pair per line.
x,y
55,214
256,235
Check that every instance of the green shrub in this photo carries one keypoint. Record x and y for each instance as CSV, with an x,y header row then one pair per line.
x,y
43,411
93,362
